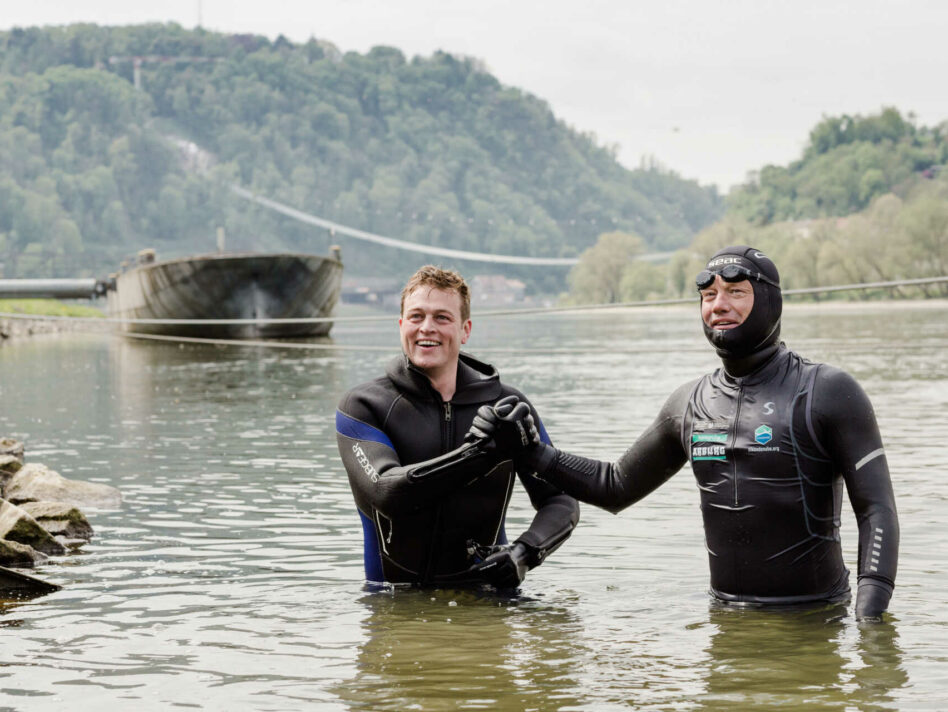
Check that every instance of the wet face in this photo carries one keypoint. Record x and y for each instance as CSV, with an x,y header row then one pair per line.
x,y
725,305
432,330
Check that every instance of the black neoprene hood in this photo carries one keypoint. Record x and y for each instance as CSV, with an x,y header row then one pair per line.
x,y
762,326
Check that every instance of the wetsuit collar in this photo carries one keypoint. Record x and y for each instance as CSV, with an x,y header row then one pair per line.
x,y
749,365
477,382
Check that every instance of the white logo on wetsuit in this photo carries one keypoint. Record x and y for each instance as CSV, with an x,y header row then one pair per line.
x,y
722,425
363,460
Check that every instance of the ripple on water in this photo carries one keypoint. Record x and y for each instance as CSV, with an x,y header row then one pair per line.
x,y
232,577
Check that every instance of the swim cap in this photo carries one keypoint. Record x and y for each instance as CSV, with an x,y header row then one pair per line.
x,y
761,328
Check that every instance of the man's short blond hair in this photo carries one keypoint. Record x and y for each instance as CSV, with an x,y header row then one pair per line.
x,y
445,279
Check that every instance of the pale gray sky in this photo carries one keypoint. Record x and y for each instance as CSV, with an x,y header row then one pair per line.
x,y
711,88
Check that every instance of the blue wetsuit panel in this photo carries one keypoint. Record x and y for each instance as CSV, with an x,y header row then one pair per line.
x,y
357,430
544,436
370,553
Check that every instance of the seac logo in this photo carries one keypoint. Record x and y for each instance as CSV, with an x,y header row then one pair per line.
x,y
364,462
764,434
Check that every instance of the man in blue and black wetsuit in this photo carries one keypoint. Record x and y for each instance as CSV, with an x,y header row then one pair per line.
x,y
431,497
771,438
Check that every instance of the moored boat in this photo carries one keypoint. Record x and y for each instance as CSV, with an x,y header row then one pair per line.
x,y
226,287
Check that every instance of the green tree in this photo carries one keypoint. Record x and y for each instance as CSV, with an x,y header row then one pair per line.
x,y
429,148
597,278
643,281
849,162
924,223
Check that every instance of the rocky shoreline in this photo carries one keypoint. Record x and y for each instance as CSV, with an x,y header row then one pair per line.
x,y
31,326
40,517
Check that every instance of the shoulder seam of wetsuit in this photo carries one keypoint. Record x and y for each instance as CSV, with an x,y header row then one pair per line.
x,y
391,407
683,437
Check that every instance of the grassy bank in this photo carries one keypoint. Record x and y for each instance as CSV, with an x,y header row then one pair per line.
x,y
47,307
30,317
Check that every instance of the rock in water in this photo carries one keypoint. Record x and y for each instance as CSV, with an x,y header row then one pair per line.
x,y
37,483
10,446
13,553
17,525
60,519
14,584
10,463
9,466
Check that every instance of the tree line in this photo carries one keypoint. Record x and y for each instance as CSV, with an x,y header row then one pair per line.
x,y
848,162
434,150
899,236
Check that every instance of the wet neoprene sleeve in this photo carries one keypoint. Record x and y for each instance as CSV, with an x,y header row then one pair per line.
x,y
557,515
393,487
844,419
652,459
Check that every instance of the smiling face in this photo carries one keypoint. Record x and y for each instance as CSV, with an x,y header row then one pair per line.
x,y
432,331
725,305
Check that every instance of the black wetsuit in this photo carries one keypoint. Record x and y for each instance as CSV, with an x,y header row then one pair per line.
x,y
770,452
418,518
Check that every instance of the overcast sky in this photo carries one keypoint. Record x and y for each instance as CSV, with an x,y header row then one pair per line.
x,y
710,88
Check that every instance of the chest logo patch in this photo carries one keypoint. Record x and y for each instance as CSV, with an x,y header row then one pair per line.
x,y
708,446
764,434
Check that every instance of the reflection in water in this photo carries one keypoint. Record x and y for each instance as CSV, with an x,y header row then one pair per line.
x,y
446,650
800,660
877,667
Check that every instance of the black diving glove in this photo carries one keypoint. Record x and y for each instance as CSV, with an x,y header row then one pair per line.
x,y
508,424
504,567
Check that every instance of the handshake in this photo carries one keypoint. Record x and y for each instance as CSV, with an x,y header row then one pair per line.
x,y
506,427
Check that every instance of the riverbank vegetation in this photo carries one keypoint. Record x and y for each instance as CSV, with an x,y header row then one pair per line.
x,y
48,307
867,202
115,139
848,162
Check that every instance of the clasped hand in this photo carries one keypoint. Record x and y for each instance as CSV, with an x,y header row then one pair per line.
x,y
507,425
504,566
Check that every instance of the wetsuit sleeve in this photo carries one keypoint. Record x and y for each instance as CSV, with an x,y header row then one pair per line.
x,y
556,518
557,514
845,425
653,458
378,477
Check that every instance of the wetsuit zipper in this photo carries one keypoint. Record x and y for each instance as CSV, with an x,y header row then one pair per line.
x,y
736,427
447,443
446,425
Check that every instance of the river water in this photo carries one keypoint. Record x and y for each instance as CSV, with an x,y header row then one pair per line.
x,y
232,576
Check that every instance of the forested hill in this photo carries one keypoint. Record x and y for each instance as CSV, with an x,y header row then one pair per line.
x,y
432,150
848,162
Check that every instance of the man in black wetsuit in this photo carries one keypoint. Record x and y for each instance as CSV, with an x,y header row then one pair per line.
x,y
771,438
431,497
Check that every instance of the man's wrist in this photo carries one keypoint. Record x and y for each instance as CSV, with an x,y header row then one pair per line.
x,y
872,598
538,457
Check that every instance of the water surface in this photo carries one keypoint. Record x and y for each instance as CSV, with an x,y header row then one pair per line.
x,y
232,577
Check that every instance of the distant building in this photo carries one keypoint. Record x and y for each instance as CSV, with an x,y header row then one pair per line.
x,y
373,291
495,290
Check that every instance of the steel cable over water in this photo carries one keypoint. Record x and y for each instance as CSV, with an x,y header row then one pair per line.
x,y
337,228
390,317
